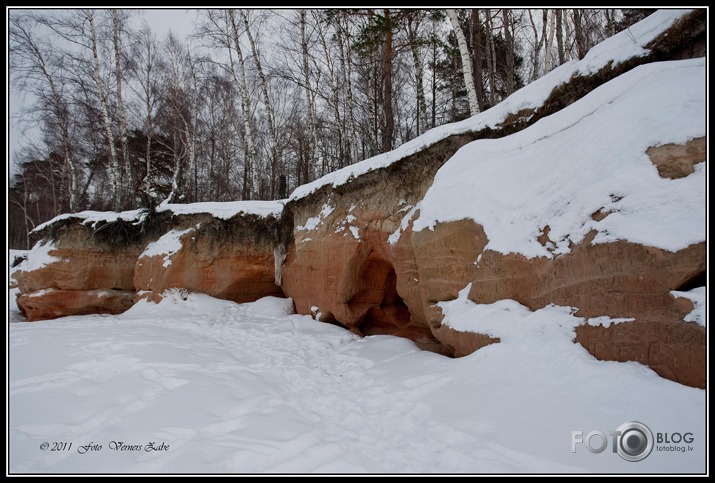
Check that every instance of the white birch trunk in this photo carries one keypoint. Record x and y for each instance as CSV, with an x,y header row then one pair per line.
x,y
102,94
273,137
466,62
550,43
120,98
309,94
419,85
251,158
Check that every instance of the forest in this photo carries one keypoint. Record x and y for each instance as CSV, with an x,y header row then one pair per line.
x,y
253,103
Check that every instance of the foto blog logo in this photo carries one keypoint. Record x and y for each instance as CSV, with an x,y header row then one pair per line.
x,y
633,441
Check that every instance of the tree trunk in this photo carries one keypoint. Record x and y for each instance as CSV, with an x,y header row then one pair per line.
x,y
434,75
478,57
560,35
544,25
568,34
116,41
333,100
419,73
374,96
466,62
581,47
610,14
538,42
192,133
103,104
176,176
147,183
146,78
388,132
313,142
346,61
509,47
550,43
493,60
250,163
272,137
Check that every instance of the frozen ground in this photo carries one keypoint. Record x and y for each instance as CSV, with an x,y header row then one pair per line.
x,y
252,388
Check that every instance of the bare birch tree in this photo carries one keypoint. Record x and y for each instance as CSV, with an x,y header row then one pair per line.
x,y
272,137
251,162
310,98
550,43
102,93
35,64
466,62
117,29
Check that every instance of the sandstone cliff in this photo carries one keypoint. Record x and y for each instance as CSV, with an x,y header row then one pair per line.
x,y
101,263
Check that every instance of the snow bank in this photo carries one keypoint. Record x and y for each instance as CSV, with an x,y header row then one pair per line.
x,y
177,303
698,297
508,319
620,47
227,209
587,157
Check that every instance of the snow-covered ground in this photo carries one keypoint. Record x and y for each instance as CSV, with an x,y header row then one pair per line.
x,y
252,388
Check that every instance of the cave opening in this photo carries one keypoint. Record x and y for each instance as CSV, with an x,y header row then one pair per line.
x,y
381,310
697,280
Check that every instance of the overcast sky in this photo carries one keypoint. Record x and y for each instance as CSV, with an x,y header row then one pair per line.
x,y
180,21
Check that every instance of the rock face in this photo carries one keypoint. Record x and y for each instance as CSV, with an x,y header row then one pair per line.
x,y
227,259
621,280
341,266
673,349
99,268
82,263
675,161
51,303
89,270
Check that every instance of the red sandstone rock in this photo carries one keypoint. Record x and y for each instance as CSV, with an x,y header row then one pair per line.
x,y
675,350
231,271
51,303
677,160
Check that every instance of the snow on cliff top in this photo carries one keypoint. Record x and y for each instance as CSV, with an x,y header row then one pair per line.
x,y
587,157
622,46
217,209
227,209
90,217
